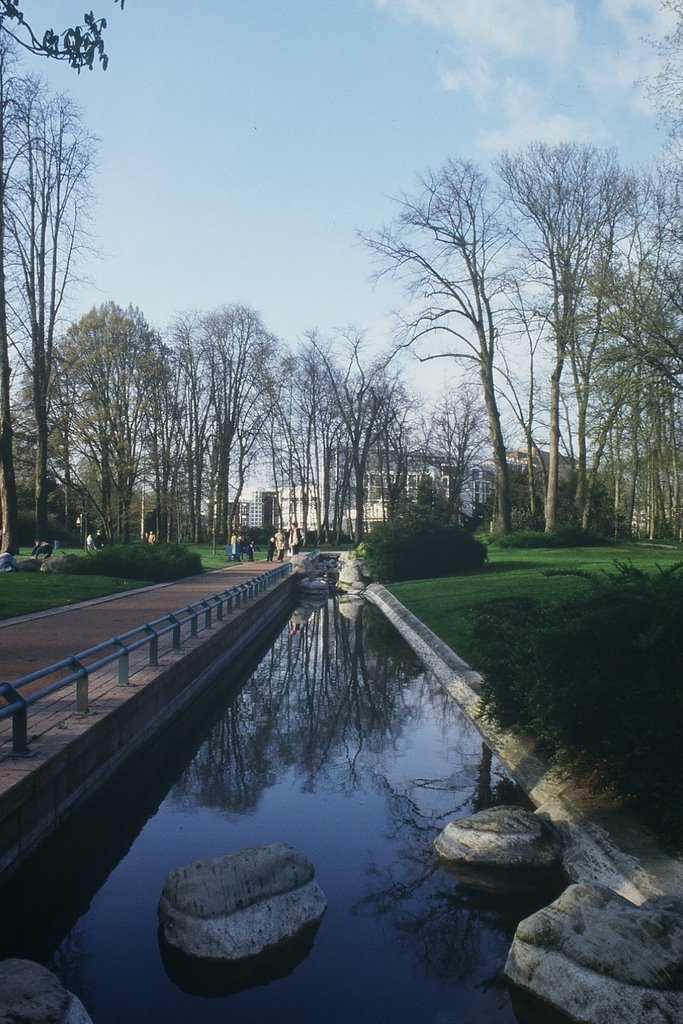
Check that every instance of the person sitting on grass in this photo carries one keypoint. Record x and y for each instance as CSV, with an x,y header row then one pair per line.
x,y
41,547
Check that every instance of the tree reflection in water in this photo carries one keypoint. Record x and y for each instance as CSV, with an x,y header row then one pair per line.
x,y
449,927
341,744
318,694
336,691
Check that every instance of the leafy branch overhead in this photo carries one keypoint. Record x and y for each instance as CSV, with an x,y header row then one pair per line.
x,y
81,45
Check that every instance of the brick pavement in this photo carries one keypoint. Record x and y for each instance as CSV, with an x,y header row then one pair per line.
x,y
32,642
75,745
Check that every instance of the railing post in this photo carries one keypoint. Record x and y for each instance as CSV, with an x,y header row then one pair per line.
x,y
82,687
175,644
153,655
19,719
123,661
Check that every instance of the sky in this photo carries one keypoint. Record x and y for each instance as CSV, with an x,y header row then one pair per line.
x,y
246,143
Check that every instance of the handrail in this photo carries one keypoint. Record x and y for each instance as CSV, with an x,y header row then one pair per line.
x,y
81,667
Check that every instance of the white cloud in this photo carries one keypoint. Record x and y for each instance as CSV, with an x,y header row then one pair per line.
x,y
477,79
551,69
543,29
638,18
620,66
524,120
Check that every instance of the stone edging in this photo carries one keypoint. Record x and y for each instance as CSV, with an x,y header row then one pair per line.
x,y
604,845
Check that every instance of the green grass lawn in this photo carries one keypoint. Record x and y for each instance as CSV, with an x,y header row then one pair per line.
x,y
23,593
446,605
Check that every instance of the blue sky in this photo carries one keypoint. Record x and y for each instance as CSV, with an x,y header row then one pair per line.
x,y
245,142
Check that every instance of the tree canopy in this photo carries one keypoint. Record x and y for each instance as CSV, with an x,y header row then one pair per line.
x,y
80,45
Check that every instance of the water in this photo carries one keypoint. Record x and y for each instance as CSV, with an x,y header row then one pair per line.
x,y
340,744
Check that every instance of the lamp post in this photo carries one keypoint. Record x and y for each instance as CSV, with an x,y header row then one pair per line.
x,y
82,521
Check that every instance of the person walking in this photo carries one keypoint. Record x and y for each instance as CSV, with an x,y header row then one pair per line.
x,y
280,543
235,545
295,538
271,548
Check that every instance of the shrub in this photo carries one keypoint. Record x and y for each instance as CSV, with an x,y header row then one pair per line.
x,y
599,678
157,563
413,551
563,537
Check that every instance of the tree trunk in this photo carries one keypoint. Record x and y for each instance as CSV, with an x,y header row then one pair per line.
x,y
8,488
553,450
503,501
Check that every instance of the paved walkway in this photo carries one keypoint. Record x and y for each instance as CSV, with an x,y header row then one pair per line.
x,y
32,642
76,735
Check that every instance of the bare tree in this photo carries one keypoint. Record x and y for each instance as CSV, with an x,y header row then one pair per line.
x,y
360,390
520,392
454,440
569,199
9,539
192,361
396,444
45,217
306,436
163,460
447,246
239,352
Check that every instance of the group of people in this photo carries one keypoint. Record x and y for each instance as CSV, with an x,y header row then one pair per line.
x,y
94,543
280,542
240,547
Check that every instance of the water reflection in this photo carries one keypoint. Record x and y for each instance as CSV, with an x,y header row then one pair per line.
x,y
447,925
340,744
210,978
320,694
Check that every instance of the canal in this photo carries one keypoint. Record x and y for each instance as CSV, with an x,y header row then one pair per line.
x,y
337,741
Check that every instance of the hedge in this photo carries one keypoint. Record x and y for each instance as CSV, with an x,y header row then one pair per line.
x,y
598,678
412,551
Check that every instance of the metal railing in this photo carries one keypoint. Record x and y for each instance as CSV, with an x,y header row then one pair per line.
x,y
79,667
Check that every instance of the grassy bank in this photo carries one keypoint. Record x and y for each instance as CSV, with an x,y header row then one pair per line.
x,y
23,593
446,605
443,604
588,664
